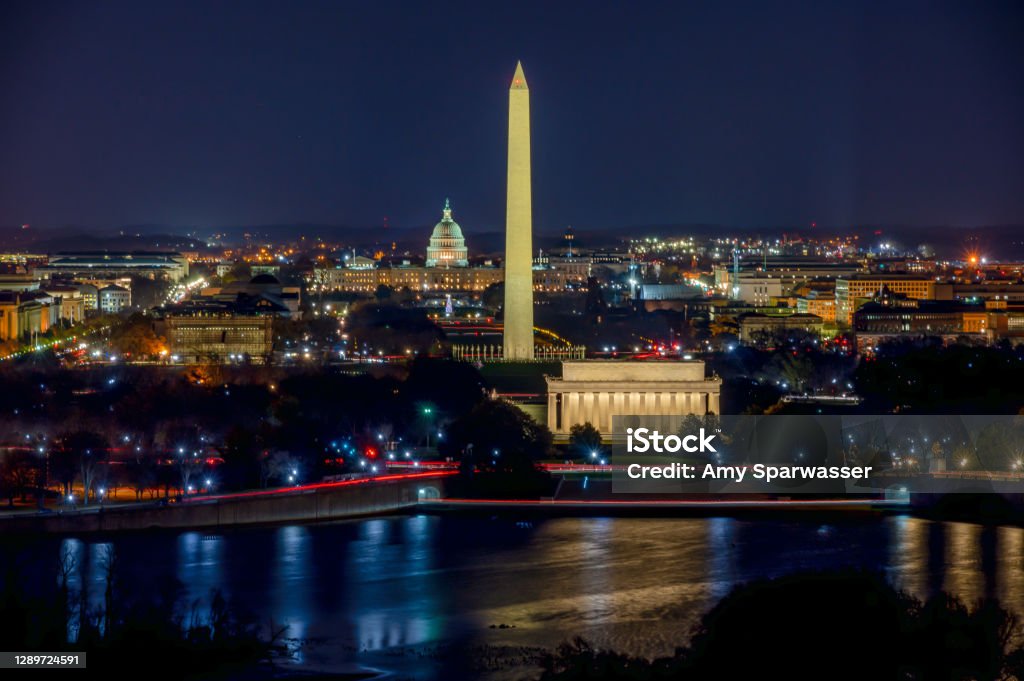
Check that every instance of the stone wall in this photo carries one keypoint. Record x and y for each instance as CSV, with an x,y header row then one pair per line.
x,y
329,502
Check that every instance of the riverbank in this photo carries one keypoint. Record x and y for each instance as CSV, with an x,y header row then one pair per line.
x,y
425,493
661,507
302,504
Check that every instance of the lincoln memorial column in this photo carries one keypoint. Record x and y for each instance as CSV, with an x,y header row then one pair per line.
x,y
552,416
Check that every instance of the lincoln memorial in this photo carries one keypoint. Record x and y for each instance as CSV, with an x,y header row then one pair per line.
x,y
596,390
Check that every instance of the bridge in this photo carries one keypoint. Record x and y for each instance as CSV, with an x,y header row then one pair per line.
x,y
304,503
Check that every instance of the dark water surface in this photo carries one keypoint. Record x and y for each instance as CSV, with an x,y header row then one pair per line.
x,y
387,592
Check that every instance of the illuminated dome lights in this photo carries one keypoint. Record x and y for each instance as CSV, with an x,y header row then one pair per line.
x,y
447,245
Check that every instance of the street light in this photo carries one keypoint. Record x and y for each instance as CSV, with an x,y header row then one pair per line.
x,y
428,412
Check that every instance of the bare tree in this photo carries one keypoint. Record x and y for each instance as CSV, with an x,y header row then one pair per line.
x,y
278,465
17,473
86,451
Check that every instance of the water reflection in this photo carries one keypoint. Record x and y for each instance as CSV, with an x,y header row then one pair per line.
x,y
1009,567
200,563
365,588
392,596
721,555
291,602
963,574
69,577
908,553
594,580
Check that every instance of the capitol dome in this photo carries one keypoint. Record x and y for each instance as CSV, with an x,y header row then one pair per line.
x,y
447,245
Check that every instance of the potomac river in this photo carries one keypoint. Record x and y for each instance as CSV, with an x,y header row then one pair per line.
x,y
407,594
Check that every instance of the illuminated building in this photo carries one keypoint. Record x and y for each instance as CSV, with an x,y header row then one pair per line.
x,y
434,279
756,327
366,280
821,304
18,282
90,296
111,265
261,285
596,390
69,301
569,269
114,298
761,279
851,291
447,245
25,313
24,260
667,292
257,269
903,316
213,338
210,331
1009,290
758,289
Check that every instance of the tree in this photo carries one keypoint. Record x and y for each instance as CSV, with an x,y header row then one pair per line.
x,y
142,473
135,337
17,474
389,328
499,437
241,454
280,466
87,452
584,440
147,293
1001,447
463,386
791,369
493,296
595,306
938,639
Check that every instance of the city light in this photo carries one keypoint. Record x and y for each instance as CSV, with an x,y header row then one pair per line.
x,y
284,305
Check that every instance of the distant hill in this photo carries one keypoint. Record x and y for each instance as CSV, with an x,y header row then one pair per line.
x,y
1002,241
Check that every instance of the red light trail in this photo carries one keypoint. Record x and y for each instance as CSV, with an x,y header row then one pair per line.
x,y
395,477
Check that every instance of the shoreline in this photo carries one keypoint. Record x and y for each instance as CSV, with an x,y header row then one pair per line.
x,y
975,512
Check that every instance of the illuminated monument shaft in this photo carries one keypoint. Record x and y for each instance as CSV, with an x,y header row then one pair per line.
x,y
519,226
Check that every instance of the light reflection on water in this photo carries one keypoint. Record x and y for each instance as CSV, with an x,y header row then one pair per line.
x,y
291,595
368,587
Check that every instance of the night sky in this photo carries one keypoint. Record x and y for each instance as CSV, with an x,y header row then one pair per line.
x,y
741,113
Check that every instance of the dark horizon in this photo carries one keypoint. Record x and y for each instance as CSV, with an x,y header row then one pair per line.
x,y
1003,242
329,113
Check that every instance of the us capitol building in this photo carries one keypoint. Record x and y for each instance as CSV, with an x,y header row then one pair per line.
x,y
447,245
446,268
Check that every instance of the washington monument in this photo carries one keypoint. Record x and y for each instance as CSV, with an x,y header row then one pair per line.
x,y
519,226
